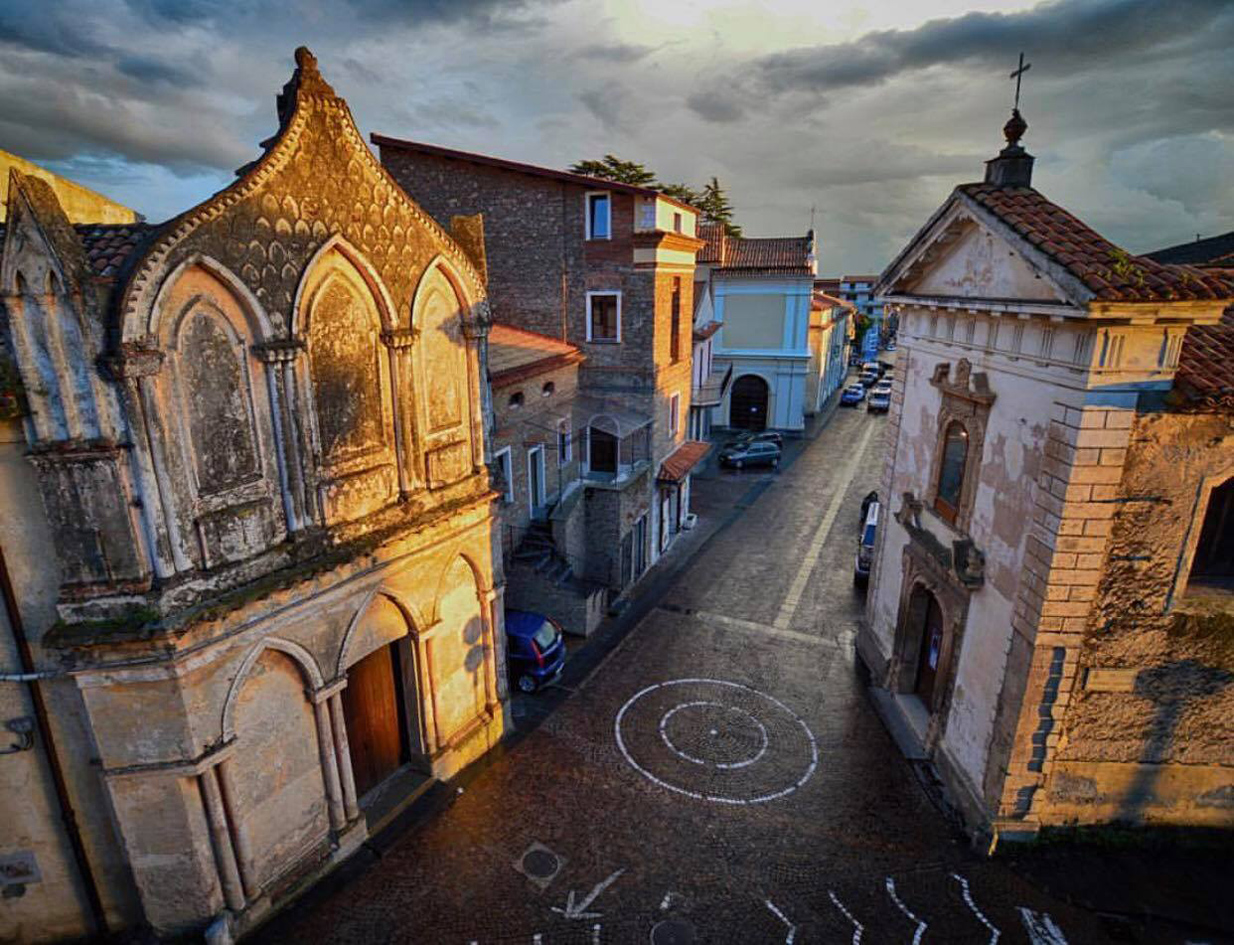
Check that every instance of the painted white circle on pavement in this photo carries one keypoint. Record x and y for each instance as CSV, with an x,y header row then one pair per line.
x,y
781,753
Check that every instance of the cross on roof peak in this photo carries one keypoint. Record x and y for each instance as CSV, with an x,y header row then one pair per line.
x,y
1017,75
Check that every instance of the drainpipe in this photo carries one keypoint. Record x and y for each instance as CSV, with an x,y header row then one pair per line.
x,y
67,815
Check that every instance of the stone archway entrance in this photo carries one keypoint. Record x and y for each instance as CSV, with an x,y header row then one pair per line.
x,y
748,407
928,617
376,726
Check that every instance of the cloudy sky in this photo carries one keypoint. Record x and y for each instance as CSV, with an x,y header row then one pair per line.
x,y
869,112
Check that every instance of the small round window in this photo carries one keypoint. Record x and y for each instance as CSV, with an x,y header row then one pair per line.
x,y
516,399
548,388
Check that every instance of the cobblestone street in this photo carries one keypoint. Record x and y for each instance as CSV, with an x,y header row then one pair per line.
x,y
719,777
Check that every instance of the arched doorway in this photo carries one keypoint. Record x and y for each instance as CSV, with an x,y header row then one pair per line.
x,y
381,702
376,727
929,628
748,407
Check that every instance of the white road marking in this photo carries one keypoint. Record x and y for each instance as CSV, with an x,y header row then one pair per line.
x,y
921,926
792,929
1041,928
792,600
595,934
579,911
702,761
858,928
968,900
753,626
719,799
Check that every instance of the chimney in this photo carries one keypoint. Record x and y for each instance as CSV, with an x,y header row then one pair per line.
x,y
1014,166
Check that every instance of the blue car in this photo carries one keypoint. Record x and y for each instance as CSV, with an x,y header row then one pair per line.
x,y
852,396
535,649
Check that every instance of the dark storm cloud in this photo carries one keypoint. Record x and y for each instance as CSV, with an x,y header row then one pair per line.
x,y
1074,36
34,25
145,69
620,53
720,107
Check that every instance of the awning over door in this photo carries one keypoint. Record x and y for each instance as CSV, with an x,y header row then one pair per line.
x,y
679,462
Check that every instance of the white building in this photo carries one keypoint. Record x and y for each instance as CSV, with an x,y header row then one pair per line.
x,y
760,293
1037,373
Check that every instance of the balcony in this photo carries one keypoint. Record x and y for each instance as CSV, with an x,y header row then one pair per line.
x,y
616,440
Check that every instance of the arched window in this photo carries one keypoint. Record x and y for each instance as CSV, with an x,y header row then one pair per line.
x,y
516,399
548,388
951,471
1214,553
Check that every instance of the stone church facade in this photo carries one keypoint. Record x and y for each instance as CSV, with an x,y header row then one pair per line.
x,y
249,528
1048,617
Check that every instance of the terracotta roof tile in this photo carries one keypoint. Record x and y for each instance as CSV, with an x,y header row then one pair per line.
x,y
782,255
713,249
1216,250
109,246
679,462
1111,273
514,353
1205,375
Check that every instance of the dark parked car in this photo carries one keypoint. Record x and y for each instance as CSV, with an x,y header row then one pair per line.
x,y
535,649
751,454
763,436
852,396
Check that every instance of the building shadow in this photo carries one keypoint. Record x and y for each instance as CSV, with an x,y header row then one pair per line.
x,y
1170,688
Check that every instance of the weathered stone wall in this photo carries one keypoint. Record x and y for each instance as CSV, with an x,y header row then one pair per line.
x,y
1148,733
55,906
293,360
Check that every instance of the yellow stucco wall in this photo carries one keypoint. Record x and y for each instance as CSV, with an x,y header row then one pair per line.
x,y
81,204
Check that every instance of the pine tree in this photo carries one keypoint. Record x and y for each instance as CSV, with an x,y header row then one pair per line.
x,y
615,169
716,207
683,192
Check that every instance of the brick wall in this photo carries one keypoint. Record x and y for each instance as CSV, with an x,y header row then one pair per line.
x,y
521,428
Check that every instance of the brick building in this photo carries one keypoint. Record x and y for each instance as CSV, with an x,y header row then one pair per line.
x,y
1049,610
252,595
608,268
538,469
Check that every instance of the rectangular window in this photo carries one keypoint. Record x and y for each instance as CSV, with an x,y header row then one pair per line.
x,y
674,414
565,443
674,342
604,316
599,216
676,222
505,474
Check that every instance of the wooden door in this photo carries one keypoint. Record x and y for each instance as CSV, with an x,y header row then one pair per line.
x,y
931,652
748,410
603,447
372,710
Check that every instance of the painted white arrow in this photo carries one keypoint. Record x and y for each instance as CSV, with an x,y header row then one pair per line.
x,y
792,929
858,928
968,901
579,911
921,926
1041,928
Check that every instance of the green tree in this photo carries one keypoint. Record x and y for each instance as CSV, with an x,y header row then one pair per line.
x,y
615,169
714,203
683,192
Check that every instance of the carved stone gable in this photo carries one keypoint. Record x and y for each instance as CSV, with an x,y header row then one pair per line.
x,y
317,180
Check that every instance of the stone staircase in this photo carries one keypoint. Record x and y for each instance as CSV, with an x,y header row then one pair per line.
x,y
538,551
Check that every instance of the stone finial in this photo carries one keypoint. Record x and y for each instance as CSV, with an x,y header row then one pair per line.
x,y
1014,130
1014,166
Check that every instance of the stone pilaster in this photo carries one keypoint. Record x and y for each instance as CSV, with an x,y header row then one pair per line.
x,y
1076,499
